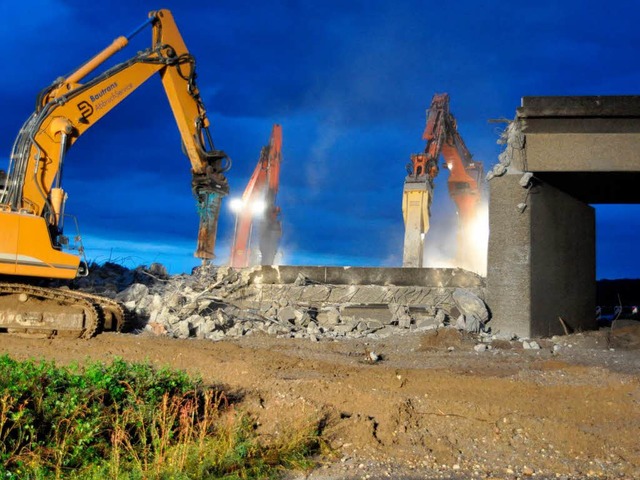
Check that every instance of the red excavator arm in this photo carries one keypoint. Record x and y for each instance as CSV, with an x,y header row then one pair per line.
x,y
441,134
258,206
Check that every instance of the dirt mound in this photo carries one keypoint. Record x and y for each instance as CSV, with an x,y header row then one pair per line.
x,y
423,410
447,339
625,337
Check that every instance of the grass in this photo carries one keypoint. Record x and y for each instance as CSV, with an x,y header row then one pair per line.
x,y
132,421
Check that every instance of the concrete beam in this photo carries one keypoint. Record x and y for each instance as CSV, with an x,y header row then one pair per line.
x,y
581,106
581,134
422,277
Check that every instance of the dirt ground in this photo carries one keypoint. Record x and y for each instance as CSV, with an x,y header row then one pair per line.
x,y
431,407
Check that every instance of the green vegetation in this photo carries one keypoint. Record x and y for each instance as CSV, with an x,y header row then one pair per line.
x,y
131,421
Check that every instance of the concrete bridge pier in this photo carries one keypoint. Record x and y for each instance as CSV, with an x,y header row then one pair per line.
x,y
563,154
541,259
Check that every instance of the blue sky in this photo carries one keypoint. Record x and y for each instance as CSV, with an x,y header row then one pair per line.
x,y
349,81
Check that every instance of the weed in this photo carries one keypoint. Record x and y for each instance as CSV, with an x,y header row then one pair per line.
x,y
131,421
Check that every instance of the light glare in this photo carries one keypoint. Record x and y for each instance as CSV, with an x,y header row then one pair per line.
x,y
236,204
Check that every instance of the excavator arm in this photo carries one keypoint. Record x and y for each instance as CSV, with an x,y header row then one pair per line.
x,y
32,201
257,209
442,137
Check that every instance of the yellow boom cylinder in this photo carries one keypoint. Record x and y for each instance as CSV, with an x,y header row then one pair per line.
x,y
117,45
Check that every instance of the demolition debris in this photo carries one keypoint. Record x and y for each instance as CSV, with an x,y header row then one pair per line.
x,y
220,302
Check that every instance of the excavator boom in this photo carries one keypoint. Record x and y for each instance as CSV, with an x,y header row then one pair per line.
x,y
442,137
258,211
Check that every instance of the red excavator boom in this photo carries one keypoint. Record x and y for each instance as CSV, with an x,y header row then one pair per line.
x,y
257,211
441,134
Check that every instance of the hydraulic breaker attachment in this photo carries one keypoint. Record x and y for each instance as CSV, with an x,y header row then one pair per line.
x,y
208,189
416,203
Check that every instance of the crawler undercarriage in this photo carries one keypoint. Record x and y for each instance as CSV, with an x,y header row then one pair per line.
x,y
50,312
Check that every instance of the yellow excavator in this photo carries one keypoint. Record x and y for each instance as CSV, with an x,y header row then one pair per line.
x,y
32,200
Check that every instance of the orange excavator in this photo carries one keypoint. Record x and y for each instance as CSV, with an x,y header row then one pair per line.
x,y
258,206
32,242
441,134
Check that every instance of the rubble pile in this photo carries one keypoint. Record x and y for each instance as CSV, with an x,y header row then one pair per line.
x,y
220,302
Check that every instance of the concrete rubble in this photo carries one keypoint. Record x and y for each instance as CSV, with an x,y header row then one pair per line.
x,y
219,302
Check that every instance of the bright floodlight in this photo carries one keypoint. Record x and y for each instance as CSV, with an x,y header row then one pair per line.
x,y
258,207
236,204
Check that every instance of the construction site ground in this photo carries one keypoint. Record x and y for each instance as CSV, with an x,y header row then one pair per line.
x,y
430,407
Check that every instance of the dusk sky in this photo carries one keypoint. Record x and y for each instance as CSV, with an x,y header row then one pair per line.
x,y
349,81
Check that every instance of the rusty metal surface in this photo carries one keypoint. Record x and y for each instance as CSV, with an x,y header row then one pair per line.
x,y
208,190
208,210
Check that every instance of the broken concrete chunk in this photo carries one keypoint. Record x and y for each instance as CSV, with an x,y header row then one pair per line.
x,y
135,293
374,324
181,330
426,324
525,179
287,315
156,328
215,335
400,315
470,304
473,324
174,300
236,330
372,357
302,280
313,328
158,270
343,329
221,320
188,309
385,332
302,318
207,326
508,336
270,311
194,321
328,316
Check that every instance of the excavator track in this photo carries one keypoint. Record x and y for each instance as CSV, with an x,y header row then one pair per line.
x,y
34,311
115,318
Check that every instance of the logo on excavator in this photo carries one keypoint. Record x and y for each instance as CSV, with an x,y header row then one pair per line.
x,y
85,109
